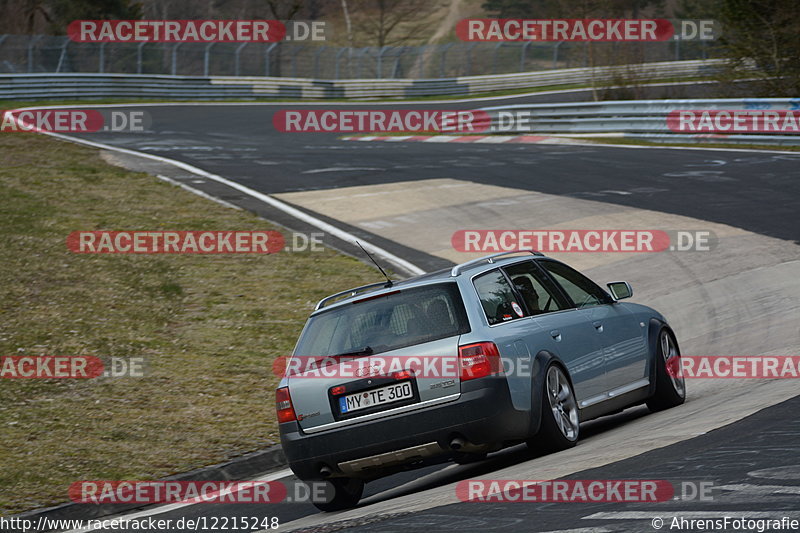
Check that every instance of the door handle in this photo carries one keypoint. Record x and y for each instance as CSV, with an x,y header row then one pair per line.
x,y
598,326
556,334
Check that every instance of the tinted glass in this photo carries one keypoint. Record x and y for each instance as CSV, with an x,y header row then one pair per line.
x,y
536,291
583,291
497,298
396,320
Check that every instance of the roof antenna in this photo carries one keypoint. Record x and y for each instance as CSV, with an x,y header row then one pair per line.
x,y
389,282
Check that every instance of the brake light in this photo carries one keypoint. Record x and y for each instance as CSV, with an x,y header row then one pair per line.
x,y
479,360
283,405
336,391
402,374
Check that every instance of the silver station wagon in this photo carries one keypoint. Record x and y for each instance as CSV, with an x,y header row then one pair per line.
x,y
457,363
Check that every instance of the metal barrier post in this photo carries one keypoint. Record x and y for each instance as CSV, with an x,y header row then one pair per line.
x,y
61,56
267,52
236,59
206,53
175,59
316,60
139,57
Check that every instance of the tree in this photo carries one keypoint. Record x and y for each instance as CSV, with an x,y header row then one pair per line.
x,y
62,12
765,34
392,22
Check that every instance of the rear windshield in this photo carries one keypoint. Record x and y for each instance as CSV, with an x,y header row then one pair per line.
x,y
395,320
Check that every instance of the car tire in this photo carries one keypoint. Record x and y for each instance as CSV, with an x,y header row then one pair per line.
x,y
670,383
346,494
560,425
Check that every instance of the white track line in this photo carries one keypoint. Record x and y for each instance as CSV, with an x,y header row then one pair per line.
x,y
197,192
173,506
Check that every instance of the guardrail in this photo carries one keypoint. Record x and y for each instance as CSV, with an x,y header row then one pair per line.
x,y
74,86
643,119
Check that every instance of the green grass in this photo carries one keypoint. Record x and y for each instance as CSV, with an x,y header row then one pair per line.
x,y
208,326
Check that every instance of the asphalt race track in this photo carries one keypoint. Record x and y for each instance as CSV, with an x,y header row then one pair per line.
x,y
740,298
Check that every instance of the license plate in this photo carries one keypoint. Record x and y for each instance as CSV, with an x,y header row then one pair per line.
x,y
371,398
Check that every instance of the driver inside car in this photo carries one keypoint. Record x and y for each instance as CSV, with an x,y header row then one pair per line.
x,y
525,287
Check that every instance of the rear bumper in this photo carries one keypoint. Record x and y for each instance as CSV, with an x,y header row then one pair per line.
x,y
482,415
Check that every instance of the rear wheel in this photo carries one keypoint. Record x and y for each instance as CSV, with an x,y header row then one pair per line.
x,y
670,384
560,419
346,494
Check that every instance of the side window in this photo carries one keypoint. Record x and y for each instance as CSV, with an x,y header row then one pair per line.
x,y
535,289
583,291
497,298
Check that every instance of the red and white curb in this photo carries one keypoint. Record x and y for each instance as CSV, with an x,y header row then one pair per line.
x,y
490,139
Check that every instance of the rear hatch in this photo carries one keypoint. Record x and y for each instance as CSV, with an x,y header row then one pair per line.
x,y
377,354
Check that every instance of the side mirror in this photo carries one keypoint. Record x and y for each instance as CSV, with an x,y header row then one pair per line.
x,y
620,289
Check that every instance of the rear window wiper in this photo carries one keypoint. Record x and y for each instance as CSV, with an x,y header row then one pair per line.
x,y
367,350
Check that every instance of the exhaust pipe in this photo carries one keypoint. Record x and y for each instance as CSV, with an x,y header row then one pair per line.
x,y
325,472
457,443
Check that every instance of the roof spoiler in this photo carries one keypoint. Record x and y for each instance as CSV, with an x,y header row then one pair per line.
x,y
352,292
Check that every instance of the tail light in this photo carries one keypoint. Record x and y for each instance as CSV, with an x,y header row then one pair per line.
x,y
479,360
283,405
402,374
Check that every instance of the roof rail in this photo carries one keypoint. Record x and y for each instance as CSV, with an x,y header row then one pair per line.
x,y
351,292
489,259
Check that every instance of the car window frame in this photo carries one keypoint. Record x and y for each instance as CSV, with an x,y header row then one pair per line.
x,y
514,292
547,282
540,263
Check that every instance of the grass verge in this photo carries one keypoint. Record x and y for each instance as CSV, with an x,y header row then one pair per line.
x,y
207,326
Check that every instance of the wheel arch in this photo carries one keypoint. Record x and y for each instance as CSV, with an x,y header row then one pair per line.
x,y
653,332
541,361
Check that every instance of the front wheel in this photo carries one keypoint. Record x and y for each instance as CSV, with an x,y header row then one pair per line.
x,y
560,420
346,494
670,383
